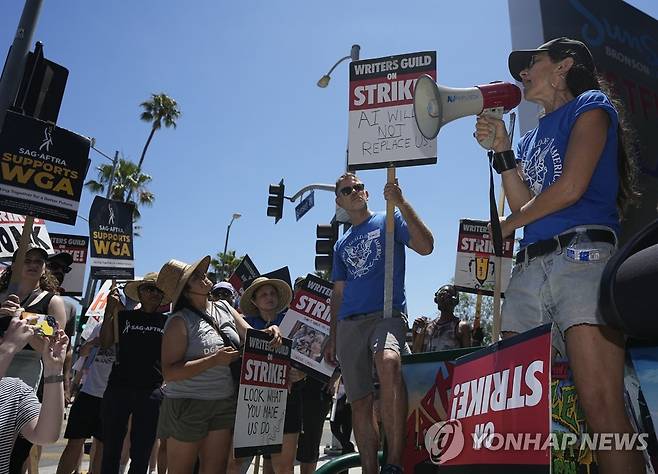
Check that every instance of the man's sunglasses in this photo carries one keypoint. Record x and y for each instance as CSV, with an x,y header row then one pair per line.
x,y
347,190
223,293
56,267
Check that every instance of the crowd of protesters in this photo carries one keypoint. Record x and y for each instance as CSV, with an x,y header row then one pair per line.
x,y
152,376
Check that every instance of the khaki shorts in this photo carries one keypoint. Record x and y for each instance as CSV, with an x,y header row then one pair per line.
x,y
189,420
357,339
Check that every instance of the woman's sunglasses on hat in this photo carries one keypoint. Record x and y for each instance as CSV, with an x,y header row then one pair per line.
x,y
347,190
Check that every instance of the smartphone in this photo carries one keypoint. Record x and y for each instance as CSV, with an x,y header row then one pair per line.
x,y
44,325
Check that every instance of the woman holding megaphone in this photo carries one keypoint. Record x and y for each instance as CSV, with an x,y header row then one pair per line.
x,y
568,185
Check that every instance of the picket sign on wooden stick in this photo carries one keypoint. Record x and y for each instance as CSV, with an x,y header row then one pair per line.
x,y
478,312
498,262
115,322
389,250
19,261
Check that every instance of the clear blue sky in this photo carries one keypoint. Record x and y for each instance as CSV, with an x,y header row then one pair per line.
x,y
244,74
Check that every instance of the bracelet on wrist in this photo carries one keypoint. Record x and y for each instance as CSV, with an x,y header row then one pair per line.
x,y
503,161
54,378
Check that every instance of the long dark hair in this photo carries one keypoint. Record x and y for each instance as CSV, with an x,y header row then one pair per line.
x,y
47,282
579,79
183,302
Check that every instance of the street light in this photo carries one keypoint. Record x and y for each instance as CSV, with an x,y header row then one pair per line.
x,y
341,214
354,56
236,215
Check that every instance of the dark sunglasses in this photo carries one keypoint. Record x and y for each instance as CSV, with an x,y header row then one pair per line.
x,y
224,293
56,267
347,190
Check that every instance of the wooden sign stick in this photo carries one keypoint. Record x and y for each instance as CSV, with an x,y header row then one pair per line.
x,y
389,250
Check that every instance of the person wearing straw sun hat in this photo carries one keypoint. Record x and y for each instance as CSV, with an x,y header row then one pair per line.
x,y
200,341
133,387
264,304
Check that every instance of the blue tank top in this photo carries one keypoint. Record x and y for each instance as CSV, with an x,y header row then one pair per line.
x,y
542,152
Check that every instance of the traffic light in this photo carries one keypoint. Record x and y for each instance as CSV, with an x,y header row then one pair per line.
x,y
42,87
327,235
275,201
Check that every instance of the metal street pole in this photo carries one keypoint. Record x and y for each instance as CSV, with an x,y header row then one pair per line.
x,y
228,230
340,215
9,84
92,283
15,65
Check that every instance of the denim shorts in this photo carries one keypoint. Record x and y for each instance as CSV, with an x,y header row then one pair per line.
x,y
554,288
357,339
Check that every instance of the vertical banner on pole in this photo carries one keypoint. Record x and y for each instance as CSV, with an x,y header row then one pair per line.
x,y
43,169
111,233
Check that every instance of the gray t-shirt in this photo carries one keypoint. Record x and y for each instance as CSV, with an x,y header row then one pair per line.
x,y
215,383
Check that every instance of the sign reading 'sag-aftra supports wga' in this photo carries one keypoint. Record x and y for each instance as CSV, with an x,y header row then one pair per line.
x,y
42,169
382,128
111,234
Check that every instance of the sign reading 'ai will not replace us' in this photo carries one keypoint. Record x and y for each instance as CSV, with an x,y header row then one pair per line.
x,y
382,127
42,169
111,234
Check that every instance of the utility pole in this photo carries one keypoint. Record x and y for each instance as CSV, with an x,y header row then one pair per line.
x,y
15,65
9,84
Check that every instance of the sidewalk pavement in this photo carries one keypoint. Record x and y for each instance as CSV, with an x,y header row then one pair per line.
x,y
51,454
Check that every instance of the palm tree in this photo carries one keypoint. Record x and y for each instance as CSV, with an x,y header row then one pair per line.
x,y
127,179
225,264
160,110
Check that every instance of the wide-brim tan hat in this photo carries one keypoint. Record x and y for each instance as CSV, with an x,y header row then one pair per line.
x,y
174,274
131,289
248,307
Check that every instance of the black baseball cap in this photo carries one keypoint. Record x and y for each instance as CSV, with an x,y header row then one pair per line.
x,y
560,47
64,258
31,247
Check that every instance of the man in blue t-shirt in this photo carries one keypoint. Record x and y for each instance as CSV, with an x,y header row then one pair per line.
x,y
359,333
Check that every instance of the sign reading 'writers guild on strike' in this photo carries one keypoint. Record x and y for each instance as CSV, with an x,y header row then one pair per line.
x,y
111,234
42,169
476,263
382,127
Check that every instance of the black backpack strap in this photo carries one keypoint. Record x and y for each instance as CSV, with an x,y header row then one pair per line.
x,y
217,328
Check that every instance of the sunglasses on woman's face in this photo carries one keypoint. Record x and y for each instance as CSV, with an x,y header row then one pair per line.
x,y
347,190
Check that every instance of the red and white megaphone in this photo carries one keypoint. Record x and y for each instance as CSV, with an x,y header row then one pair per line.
x,y
435,105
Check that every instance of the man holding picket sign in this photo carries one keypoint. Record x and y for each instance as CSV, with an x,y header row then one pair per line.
x,y
359,331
